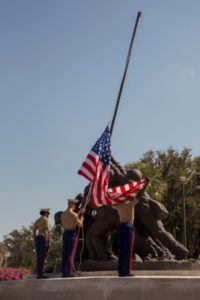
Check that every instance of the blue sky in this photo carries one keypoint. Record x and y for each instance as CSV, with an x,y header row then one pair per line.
x,y
61,64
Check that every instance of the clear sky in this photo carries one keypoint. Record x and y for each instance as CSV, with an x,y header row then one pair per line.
x,y
61,64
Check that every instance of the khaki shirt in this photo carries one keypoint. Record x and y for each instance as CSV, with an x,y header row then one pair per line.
x,y
126,210
69,220
41,225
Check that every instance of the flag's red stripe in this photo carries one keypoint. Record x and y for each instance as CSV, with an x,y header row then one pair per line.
x,y
80,172
133,189
89,169
100,190
89,164
105,184
93,157
122,189
94,187
112,197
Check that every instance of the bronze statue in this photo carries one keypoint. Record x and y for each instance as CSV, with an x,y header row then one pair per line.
x,y
152,241
151,238
150,214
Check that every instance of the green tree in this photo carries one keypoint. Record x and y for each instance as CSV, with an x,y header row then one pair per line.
x,y
20,246
164,169
148,166
54,253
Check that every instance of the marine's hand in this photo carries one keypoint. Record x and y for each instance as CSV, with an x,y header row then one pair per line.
x,y
81,218
82,210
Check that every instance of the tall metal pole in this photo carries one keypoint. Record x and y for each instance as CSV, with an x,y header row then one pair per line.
x,y
125,71
184,217
184,233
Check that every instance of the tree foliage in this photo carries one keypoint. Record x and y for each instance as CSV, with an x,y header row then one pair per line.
x,y
54,253
20,246
165,169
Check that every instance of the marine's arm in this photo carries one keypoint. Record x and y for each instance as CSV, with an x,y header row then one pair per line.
x,y
34,230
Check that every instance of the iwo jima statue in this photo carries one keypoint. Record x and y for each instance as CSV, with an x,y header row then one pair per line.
x,y
98,240
152,241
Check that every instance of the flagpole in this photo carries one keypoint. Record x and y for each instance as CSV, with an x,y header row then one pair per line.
x,y
125,71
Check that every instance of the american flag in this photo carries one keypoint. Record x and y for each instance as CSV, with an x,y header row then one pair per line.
x,y
96,168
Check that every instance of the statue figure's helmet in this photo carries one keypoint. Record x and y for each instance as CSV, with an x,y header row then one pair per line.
x,y
57,217
134,174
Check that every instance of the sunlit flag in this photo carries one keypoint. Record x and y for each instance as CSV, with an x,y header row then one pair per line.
x,y
96,168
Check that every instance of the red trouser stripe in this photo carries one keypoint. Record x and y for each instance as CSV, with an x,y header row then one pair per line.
x,y
132,242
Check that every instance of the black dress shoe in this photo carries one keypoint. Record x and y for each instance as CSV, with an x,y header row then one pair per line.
x,y
42,276
128,275
70,275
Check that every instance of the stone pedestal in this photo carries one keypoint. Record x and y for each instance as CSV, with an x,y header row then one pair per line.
x,y
104,288
93,265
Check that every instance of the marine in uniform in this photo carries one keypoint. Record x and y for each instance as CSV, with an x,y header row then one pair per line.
x,y
41,237
70,219
125,235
